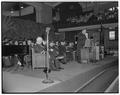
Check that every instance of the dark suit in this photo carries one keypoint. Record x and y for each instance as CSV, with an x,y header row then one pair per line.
x,y
39,48
62,52
80,45
54,63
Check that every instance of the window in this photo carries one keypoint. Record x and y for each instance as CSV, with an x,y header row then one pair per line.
x,y
112,35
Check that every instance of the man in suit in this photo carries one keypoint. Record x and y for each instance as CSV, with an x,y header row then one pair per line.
x,y
80,43
40,48
62,52
53,54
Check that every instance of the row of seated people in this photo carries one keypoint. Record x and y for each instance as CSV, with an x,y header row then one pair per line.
x,y
7,41
55,51
39,47
13,51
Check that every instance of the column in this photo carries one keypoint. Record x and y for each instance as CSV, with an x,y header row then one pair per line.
x,y
43,14
38,14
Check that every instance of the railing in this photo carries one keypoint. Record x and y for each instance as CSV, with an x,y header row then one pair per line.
x,y
66,24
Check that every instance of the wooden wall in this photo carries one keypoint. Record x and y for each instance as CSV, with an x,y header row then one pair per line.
x,y
70,35
111,44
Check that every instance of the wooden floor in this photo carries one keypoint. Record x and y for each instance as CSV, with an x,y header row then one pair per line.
x,y
27,80
76,82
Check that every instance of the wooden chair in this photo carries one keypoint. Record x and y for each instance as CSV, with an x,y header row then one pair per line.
x,y
38,60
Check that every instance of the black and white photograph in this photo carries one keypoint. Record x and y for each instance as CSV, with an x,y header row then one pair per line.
x,y
59,47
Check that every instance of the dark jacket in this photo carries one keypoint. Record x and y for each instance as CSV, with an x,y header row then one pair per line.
x,y
38,48
62,50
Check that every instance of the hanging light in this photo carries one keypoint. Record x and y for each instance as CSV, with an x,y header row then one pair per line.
x,y
110,9
117,7
22,7
11,11
113,8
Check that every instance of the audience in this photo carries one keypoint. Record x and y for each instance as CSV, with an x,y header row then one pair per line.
x,y
55,64
38,47
110,15
60,51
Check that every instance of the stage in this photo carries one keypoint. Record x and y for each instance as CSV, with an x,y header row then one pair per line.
x,y
72,77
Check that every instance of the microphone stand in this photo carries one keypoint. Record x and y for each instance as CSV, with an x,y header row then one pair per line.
x,y
47,79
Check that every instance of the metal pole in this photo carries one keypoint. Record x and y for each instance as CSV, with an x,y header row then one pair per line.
x,y
47,80
19,9
100,34
47,55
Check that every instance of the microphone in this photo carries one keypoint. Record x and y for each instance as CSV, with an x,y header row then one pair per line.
x,y
47,29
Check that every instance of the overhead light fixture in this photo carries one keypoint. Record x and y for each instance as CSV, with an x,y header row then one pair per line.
x,y
110,9
113,8
117,7
12,12
21,7
110,27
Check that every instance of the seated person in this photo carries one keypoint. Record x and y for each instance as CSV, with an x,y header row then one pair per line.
x,y
10,42
38,47
69,52
27,57
24,42
53,54
62,52
16,43
70,48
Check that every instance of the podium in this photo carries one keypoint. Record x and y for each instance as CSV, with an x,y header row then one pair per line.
x,y
85,55
38,60
97,52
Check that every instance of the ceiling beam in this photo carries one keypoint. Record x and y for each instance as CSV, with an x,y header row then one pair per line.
x,y
34,4
88,27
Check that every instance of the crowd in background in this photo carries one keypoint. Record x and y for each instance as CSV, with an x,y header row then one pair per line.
x,y
63,48
60,52
112,13
7,41
90,18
